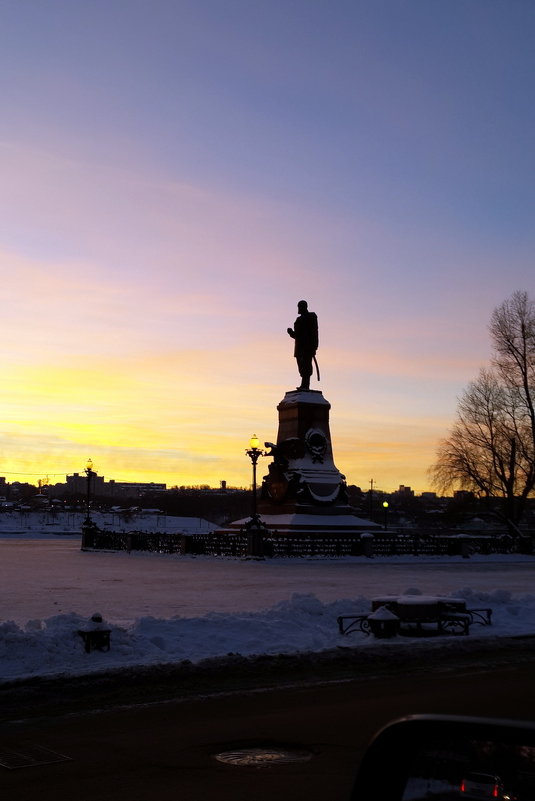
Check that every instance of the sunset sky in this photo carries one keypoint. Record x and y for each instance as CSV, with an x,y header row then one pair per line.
x,y
176,174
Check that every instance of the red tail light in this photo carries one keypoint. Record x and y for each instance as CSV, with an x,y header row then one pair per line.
x,y
463,787
495,791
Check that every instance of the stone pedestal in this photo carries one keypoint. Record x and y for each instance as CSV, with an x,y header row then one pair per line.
x,y
304,494
302,477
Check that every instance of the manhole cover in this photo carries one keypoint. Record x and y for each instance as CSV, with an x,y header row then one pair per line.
x,y
263,756
27,755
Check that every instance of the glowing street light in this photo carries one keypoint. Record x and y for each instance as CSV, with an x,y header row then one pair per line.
x,y
254,452
255,528
89,473
385,507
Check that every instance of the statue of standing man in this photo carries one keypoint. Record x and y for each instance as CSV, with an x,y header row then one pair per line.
x,y
305,334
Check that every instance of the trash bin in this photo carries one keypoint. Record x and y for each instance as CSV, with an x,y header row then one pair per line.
x,y
96,636
383,623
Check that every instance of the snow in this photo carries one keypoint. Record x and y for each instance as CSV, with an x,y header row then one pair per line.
x,y
166,609
383,614
305,396
311,523
46,523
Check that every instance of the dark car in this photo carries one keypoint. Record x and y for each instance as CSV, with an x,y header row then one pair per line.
x,y
481,785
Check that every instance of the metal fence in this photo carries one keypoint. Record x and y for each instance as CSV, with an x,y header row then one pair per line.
x,y
246,544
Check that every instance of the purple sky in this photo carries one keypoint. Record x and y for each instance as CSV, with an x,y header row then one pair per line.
x,y
177,174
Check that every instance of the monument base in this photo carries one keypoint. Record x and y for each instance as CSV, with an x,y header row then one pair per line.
x,y
308,525
303,478
304,493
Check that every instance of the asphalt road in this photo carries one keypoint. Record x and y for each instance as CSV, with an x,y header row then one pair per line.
x,y
165,750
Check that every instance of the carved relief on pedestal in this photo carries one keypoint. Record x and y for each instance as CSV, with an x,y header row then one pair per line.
x,y
317,444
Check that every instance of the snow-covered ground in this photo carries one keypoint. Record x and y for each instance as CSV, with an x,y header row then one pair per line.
x,y
53,522
171,608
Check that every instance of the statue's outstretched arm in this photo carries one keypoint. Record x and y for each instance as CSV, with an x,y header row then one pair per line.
x,y
291,332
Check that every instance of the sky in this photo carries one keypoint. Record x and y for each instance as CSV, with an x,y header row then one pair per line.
x,y
177,174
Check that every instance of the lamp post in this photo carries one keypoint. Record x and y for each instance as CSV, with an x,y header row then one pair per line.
x,y
88,527
385,507
254,452
89,473
255,528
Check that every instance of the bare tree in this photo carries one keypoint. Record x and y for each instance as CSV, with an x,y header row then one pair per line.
x,y
512,330
491,447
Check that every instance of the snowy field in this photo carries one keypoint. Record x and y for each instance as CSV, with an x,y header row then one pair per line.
x,y
164,608
47,523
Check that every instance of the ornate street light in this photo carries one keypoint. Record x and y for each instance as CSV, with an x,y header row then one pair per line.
x,y
254,452
255,528
89,473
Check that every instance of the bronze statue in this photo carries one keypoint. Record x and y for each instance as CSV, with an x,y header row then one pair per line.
x,y
305,334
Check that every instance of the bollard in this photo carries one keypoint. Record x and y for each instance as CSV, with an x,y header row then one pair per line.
x,y
465,548
95,636
367,541
383,623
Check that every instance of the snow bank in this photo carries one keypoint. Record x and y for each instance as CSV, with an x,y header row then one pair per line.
x,y
301,624
165,609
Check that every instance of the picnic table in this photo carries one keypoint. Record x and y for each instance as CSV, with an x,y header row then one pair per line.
x,y
416,615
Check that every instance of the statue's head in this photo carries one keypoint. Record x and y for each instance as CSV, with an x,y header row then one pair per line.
x,y
302,306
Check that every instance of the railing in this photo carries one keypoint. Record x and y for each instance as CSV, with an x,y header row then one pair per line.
x,y
242,544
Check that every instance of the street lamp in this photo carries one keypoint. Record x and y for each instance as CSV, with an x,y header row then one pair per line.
x,y
254,452
255,528
385,507
89,473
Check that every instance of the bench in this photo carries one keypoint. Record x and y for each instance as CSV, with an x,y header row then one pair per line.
x,y
482,616
414,615
349,623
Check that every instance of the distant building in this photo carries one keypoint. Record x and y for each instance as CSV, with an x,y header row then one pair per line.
x,y
463,495
77,485
130,488
404,492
